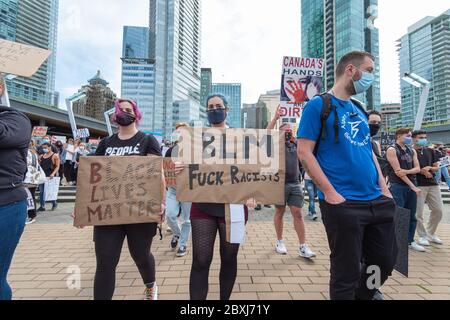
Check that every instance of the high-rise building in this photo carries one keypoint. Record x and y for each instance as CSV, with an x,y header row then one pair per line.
x,y
232,91
425,51
138,73
205,90
390,113
99,98
175,37
8,19
332,28
36,25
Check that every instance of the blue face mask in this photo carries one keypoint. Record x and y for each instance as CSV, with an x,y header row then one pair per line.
x,y
422,142
408,141
363,84
217,116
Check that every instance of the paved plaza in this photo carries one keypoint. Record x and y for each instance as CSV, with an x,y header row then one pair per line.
x,y
51,247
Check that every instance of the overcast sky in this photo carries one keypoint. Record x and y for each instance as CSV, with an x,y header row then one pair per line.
x,y
242,40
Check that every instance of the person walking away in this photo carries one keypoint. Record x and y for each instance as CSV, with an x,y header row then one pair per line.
x,y
15,136
62,159
356,205
293,194
70,153
430,192
174,207
49,162
403,180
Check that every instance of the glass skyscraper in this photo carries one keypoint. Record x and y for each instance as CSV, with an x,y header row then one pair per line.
x,y
36,24
332,28
425,51
232,91
8,19
138,73
175,37
205,90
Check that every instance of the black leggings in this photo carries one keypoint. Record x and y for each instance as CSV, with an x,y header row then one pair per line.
x,y
108,247
204,233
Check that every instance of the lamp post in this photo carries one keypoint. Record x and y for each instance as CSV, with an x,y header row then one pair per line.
x,y
419,82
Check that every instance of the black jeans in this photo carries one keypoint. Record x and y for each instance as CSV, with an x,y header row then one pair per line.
x,y
108,247
359,231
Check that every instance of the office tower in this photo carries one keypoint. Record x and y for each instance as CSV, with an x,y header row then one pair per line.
x,y
425,51
232,91
206,89
8,19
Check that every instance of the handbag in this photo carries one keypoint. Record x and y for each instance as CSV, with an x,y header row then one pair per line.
x,y
35,174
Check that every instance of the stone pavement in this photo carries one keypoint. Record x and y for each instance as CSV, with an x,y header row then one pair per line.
x,y
51,247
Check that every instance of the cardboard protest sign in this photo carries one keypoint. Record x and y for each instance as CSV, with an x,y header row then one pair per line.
x,y
301,80
169,172
20,59
231,166
81,133
118,190
401,219
51,189
39,131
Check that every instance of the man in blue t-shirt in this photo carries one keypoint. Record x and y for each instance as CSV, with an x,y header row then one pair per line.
x,y
356,205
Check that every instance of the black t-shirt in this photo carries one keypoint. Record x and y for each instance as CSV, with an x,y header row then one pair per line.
x,y
139,145
406,160
427,157
292,165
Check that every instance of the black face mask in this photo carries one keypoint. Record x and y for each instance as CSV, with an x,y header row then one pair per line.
x,y
125,119
374,129
217,116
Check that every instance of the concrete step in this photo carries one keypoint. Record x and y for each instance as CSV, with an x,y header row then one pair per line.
x,y
68,195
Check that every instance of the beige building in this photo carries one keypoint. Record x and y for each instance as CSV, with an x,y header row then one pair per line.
x,y
390,113
99,98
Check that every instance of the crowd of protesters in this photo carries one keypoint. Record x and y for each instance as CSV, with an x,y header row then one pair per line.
x,y
333,152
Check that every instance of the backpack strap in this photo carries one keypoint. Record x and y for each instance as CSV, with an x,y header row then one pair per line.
x,y
327,108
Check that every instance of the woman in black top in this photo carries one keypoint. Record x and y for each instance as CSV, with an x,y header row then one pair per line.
x,y
50,163
206,220
109,239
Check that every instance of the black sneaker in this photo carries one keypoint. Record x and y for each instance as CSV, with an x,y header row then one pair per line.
x,y
54,207
258,207
41,209
267,206
181,251
174,242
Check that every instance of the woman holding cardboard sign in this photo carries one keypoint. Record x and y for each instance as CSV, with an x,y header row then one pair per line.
x,y
206,220
109,239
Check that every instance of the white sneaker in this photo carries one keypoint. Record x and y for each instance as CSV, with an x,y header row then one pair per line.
x,y
281,247
423,241
30,221
435,239
151,293
414,246
305,252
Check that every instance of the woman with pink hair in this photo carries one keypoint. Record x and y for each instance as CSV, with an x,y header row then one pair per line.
x,y
129,141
